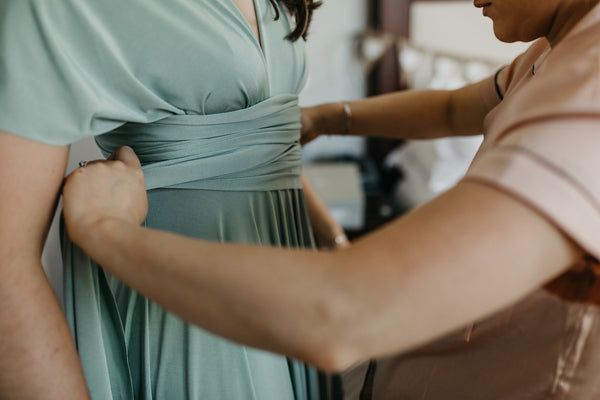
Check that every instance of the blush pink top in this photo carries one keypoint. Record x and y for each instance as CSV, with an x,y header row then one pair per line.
x,y
542,145
542,142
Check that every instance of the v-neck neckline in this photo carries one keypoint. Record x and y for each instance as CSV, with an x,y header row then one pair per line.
x,y
257,36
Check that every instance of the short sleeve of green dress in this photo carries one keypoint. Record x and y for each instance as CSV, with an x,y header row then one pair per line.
x,y
212,113
60,78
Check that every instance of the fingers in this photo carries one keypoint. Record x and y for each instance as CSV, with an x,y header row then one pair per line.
x,y
126,155
91,162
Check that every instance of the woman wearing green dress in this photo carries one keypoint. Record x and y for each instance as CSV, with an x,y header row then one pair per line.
x,y
205,91
525,216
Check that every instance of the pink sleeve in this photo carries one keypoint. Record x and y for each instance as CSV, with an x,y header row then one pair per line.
x,y
554,166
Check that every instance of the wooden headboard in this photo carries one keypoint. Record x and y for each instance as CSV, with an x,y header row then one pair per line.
x,y
392,17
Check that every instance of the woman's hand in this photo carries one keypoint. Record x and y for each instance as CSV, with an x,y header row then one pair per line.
x,y
112,189
324,119
307,119
329,234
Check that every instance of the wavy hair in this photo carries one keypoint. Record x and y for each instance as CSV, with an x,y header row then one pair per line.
x,y
302,11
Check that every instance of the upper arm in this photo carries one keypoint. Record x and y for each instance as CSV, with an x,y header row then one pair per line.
x,y
466,254
469,105
31,174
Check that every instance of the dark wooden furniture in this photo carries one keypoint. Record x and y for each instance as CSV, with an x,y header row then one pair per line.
x,y
390,17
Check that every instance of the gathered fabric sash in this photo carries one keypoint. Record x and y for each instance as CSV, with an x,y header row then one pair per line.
x,y
256,148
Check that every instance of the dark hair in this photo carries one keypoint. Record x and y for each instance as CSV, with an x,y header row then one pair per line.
x,y
302,11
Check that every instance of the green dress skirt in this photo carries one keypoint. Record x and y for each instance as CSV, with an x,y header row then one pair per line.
x,y
248,192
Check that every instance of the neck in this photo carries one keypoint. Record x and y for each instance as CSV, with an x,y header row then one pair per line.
x,y
568,14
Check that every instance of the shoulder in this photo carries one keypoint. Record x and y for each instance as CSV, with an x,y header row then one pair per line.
x,y
542,144
19,17
543,141
521,66
39,8
564,84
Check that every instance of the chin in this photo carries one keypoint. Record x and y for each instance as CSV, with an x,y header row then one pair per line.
x,y
515,35
508,37
504,38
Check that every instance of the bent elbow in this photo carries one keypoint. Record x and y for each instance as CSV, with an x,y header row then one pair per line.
x,y
334,359
334,342
332,349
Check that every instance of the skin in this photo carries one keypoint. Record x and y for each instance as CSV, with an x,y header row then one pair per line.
x,y
39,360
334,309
359,297
247,9
513,20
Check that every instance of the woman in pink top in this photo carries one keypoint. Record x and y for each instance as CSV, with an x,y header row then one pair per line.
x,y
526,214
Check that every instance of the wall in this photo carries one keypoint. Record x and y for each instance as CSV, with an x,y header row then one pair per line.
x,y
459,28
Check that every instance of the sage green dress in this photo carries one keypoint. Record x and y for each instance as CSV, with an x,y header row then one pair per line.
x,y
213,115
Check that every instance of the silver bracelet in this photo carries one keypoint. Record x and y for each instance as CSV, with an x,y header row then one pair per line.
x,y
347,117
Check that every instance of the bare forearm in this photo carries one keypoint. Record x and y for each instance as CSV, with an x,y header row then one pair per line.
x,y
336,308
328,308
419,114
39,360
406,115
240,292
